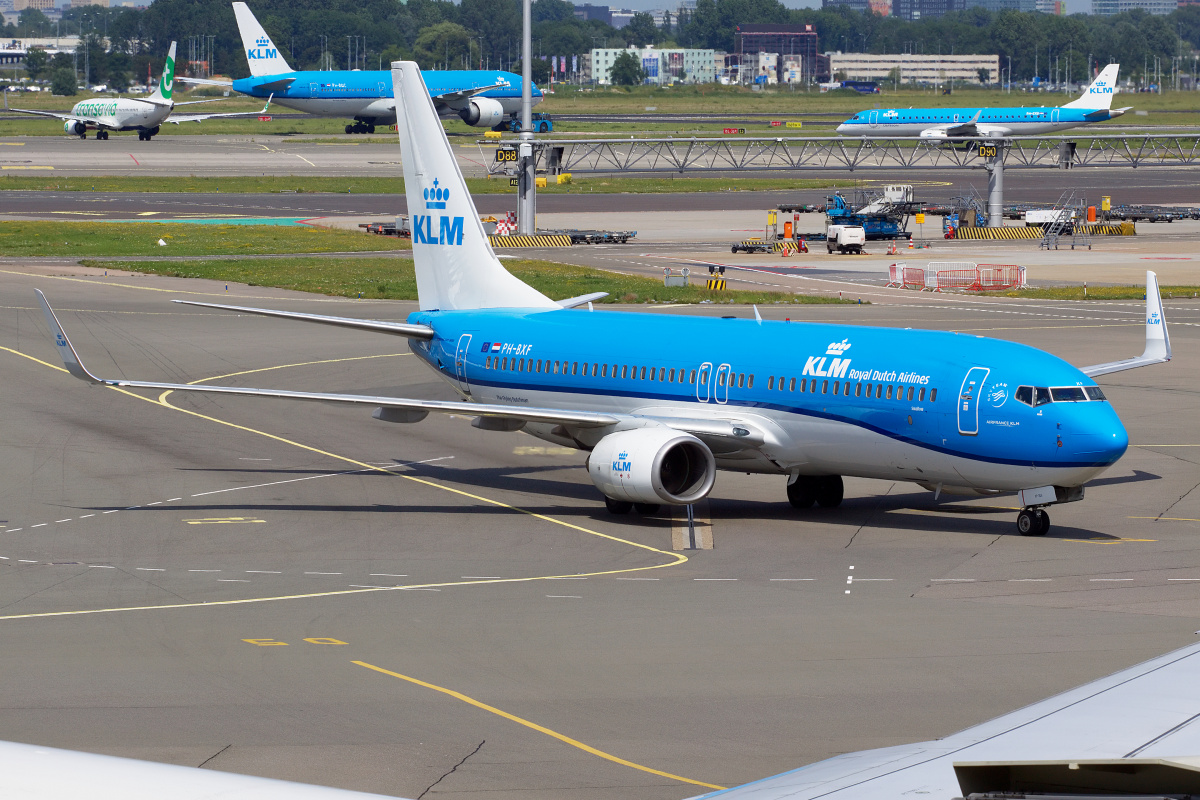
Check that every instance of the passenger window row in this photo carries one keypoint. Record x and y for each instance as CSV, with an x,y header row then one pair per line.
x,y
879,391
594,369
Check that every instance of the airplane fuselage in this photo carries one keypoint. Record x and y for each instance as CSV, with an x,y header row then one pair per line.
x,y
120,114
367,94
943,409
1017,121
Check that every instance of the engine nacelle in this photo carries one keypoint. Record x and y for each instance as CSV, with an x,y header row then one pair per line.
x,y
652,465
938,134
482,112
75,127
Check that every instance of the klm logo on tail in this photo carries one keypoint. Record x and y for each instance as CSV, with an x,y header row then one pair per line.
x,y
263,50
450,229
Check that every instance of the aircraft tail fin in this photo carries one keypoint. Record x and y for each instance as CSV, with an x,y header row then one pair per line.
x,y
1099,95
166,84
261,53
455,265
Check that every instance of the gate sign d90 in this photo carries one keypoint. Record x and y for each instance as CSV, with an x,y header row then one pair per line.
x,y
506,154
987,151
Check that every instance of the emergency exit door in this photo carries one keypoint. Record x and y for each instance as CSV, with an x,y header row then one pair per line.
x,y
968,400
460,361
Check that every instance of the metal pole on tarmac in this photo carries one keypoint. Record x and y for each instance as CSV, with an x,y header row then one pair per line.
x,y
527,190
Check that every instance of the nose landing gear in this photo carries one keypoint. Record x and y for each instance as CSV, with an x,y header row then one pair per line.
x,y
1033,522
824,490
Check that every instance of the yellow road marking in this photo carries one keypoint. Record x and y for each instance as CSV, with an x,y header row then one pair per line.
x,y
1171,519
13,144
539,728
676,558
1108,541
32,167
222,521
305,160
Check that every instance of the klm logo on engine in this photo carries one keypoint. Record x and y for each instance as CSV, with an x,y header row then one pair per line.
x,y
450,229
622,465
815,366
263,50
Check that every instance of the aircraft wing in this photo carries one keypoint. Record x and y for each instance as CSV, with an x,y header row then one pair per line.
x,y
459,95
202,81
1158,341
53,114
1131,733
46,773
178,118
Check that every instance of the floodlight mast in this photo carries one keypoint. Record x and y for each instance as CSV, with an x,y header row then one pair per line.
x,y
526,189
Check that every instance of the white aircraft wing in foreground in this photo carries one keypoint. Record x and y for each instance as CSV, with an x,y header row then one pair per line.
x,y
1133,733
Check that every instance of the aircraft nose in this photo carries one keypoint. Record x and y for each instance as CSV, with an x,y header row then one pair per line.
x,y
842,128
1101,444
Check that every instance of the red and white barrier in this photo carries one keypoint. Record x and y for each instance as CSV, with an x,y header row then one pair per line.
x,y
963,276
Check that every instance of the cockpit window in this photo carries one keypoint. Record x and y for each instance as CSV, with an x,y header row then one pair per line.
x,y
1025,395
1068,394
1094,393
1041,396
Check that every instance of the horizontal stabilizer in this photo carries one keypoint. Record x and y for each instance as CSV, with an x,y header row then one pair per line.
x,y
583,299
377,326
1158,341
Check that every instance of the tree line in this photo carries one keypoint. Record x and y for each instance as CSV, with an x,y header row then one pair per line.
x,y
440,34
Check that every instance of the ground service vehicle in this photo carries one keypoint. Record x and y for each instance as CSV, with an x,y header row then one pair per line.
x,y
846,238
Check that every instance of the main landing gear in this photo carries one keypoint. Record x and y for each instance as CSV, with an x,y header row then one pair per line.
x,y
1033,522
824,490
102,135
360,127
145,136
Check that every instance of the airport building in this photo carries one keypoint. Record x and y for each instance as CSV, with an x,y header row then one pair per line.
x,y
912,67
789,53
1110,7
661,66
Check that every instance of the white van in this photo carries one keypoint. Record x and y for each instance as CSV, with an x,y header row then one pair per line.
x,y
845,238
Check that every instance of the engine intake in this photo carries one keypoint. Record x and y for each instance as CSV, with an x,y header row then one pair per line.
x,y
653,465
75,127
482,112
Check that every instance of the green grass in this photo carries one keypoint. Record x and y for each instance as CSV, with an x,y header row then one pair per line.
x,y
394,279
395,185
1097,293
78,239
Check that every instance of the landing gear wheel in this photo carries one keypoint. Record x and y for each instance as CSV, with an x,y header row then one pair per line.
x,y
83,135
802,492
102,135
830,491
370,129
349,129
618,506
1033,522
646,509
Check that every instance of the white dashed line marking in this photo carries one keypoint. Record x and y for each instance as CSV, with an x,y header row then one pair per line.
x,y
14,530
793,579
418,589
39,525
158,503
1029,580
204,570
150,569
952,580
322,573
1099,580
61,520
173,499
27,561
100,566
385,575
115,510
264,571
232,580
1183,579
85,516
714,579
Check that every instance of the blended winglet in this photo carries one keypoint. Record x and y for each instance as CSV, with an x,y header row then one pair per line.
x,y
66,350
1158,341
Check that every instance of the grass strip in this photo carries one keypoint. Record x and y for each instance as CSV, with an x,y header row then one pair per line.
x,y
1096,293
267,184
394,279
78,239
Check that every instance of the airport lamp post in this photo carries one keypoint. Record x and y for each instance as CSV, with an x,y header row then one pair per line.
x,y
527,189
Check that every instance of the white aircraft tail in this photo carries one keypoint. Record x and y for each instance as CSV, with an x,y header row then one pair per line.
x,y
456,267
166,84
1099,95
261,53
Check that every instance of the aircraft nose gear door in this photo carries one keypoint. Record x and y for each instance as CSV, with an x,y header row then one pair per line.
x,y
968,400
460,361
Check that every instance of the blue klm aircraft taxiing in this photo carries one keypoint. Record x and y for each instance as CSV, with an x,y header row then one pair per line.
x,y
481,98
1094,105
661,402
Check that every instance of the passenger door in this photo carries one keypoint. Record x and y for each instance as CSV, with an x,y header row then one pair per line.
x,y
721,384
703,376
873,118
968,400
460,361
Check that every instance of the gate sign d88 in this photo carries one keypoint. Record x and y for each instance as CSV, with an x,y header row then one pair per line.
x,y
987,151
506,154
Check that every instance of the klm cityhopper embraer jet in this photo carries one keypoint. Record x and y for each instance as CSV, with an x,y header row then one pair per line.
x,y
1094,105
662,402
481,98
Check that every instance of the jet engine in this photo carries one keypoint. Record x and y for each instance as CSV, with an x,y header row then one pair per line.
x,y
652,465
482,112
75,127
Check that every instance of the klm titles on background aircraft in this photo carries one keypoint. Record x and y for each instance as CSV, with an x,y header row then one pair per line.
x,y
450,229
263,50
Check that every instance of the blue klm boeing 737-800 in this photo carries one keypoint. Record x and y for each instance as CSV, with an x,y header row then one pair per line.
x,y
660,403
481,98
1094,105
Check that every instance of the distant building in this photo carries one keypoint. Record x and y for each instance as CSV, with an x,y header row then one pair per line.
x,y
661,66
1110,7
588,12
1003,5
40,5
913,10
619,18
85,3
855,5
913,68
792,44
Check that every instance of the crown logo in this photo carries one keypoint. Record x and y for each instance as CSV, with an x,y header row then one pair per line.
x,y
436,197
263,41
622,456
838,348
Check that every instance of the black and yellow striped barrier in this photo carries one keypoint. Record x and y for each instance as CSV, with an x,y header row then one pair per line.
x,y
716,284
555,240
1006,232
1109,229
